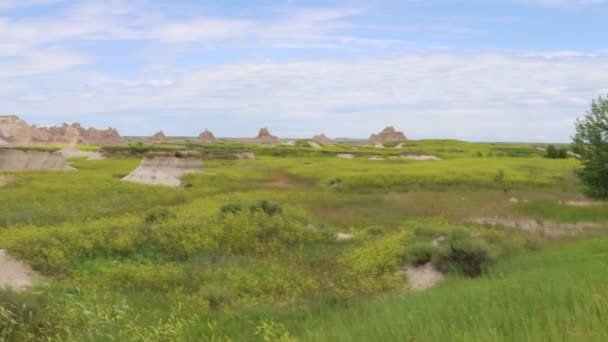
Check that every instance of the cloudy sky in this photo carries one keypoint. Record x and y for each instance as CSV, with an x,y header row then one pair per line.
x,y
483,70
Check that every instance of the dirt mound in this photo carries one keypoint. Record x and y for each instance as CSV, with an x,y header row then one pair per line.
x,y
322,139
264,138
163,170
19,160
422,277
345,156
378,145
389,134
314,145
14,274
72,152
15,131
206,137
158,137
419,157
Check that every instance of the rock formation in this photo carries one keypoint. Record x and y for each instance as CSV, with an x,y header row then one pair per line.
x,y
19,160
72,152
164,170
314,145
264,137
389,134
322,139
158,137
206,137
15,131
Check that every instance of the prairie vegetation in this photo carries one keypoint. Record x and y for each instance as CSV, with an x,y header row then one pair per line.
x,y
247,250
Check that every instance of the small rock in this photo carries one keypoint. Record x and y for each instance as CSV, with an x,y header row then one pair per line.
x,y
344,237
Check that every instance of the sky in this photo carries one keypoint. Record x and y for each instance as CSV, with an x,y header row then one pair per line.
x,y
477,70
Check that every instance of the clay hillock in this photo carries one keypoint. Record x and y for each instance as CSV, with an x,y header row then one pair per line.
x,y
265,138
21,160
158,137
389,134
164,170
322,139
206,137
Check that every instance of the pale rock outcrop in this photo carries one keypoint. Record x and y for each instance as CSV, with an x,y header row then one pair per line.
x,y
206,137
72,152
158,137
15,131
420,157
265,138
345,156
389,134
322,139
19,160
157,170
314,145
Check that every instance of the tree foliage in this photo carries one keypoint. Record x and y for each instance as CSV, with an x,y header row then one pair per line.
x,y
591,143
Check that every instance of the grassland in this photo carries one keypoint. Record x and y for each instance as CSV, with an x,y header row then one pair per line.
x,y
125,261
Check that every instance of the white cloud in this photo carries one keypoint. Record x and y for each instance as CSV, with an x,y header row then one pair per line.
x,y
487,96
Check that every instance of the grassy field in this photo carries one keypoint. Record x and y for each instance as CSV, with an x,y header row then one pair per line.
x,y
123,261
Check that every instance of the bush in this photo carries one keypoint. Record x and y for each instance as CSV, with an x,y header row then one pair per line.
x,y
461,253
372,266
420,253
556,153
158,214
231,208
268,207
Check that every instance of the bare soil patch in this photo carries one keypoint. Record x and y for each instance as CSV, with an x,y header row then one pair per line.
x,y
14,274
422,277
163,170
546,228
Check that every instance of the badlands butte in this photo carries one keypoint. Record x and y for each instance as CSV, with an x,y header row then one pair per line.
x,y
158,166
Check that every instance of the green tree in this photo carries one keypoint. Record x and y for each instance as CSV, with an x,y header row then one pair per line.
x,y
551,152
591,143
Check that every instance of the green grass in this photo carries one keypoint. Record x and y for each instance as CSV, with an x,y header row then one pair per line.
x,y
556,295
194,273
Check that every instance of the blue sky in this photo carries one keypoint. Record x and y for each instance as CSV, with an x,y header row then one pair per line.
x,y
493,70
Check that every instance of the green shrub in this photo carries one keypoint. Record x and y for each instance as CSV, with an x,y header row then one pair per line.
x,y
420,253
270,208
231,208
556,153
372,267
461,253
158,214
